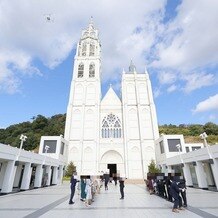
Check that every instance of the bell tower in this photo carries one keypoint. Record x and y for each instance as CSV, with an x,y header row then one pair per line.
x,y
81,128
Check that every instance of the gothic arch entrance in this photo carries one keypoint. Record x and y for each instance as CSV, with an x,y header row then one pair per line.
x,y
111,162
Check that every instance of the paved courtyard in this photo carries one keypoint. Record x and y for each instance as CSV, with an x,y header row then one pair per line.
x,y
53,202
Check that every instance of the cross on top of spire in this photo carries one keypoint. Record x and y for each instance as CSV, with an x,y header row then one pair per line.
x,y
91,20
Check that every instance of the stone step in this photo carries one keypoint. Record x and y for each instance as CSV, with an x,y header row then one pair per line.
x,y
134,181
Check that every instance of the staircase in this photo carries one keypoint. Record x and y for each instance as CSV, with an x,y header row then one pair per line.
x,y
134,181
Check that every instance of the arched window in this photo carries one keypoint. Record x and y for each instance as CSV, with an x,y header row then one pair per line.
x,y
111,127
80,70
92,70
92,49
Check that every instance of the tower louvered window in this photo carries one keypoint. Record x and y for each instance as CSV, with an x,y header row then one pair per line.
x,y
84,47
92,49
92,70
80,70
111,127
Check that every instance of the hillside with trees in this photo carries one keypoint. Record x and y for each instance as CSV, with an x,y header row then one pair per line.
x,y
54,125
33,130
191,132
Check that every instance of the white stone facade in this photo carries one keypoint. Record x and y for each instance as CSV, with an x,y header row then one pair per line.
x,y
22,170
198,164
109,133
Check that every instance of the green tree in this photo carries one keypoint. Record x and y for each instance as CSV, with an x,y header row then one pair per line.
x,y
211,128
152,168
71,168
195,129
40,122
39,126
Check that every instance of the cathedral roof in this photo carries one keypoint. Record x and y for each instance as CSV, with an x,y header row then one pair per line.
x,y
111,98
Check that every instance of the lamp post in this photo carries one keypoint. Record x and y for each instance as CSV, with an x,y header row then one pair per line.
x,y
179,148
46,151
204,137
22,140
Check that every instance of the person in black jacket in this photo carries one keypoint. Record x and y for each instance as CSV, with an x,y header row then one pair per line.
x,y
106,177
182,185
168,183
175,190
121,181
73,182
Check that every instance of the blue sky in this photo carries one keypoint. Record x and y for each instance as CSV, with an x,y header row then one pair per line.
x,y
177,41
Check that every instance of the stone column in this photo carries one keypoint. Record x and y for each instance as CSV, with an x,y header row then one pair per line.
x,y
55,176
187,175
17,176
214,168
60,174
8,180
209,174
164,169
48,171
25,184
2,173
169,169
201,177
38,176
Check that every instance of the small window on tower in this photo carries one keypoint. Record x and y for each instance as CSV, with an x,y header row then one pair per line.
x,y
80,70
92,50
92,70
84,49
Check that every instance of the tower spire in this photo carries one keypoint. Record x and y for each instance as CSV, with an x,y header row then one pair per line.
x,y
132,68
91,24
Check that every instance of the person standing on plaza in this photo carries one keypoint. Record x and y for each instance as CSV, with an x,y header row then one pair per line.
x,y
182,185
150,186
175,190
121,181
88,191
73,182
106,180
168,183
83,186
115,178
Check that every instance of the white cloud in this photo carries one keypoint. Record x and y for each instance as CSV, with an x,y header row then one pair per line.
x,y
172,88
191,39
198,80
27,32
190,43
207,105
132,30
157,92
166,77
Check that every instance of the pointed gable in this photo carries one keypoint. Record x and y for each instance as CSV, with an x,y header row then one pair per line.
x,y
110,98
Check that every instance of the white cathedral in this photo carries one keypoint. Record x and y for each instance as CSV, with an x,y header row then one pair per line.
x,y
109,133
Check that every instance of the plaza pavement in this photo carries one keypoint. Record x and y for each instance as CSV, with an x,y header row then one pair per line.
x,y
53,202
